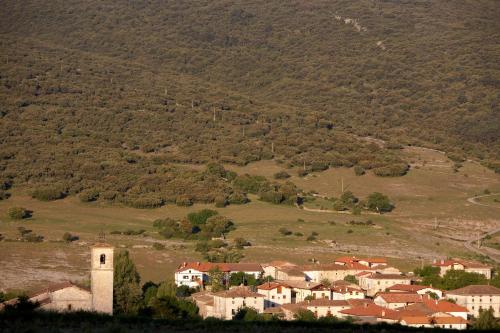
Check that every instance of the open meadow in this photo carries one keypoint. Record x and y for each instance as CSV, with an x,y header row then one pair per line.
x,y
434,211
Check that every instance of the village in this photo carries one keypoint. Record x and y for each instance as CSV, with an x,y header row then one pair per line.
x,y
366,290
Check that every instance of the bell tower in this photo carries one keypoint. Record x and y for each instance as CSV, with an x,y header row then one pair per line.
x,y
101,278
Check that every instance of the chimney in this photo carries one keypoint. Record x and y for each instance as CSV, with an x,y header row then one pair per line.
x,y
184,264
442,261
436,302
197,263
434,260
366,305
383,313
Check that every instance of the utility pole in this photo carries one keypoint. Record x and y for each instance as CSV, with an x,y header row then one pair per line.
x,y
272,147
166,92
342,184
304,165
214,112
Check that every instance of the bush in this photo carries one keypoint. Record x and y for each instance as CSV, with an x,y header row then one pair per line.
x,y
158,246
379,202
48,193
359,170
281,175
201,217
393,170
184,201
221,201
68,238
109,195
4,195
302,173
147,202
284,231
240,243
18,213
237,198
89,195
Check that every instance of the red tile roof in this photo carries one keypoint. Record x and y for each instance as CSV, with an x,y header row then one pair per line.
x,y
475,290
57,286
272,285
408,287
402,297
380,276
424,320
224,267
443,306
371,310
465,263
325,302
237,292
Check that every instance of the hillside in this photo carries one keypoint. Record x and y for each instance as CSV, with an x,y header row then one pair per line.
x,y
92,90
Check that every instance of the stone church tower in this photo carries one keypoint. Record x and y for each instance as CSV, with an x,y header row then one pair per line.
x,y
101,277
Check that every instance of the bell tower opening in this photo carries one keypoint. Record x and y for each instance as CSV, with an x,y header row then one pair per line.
x,y
103,259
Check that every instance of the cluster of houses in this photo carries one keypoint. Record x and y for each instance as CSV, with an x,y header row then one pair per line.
x,y
377,293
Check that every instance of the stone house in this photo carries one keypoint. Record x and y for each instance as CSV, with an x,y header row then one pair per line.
x,y
228,302
476,298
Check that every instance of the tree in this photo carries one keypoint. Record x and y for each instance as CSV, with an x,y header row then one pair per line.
x,y
304,315
127,291
379,202
454,279
167,288
351,279
248,314
348,198
240,278
240,243
486,321
171,308
216,279
149,291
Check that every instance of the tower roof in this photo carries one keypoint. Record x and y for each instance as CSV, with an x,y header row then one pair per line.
x,y
101,245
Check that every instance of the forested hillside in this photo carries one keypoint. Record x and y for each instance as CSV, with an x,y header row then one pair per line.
x,y
115,90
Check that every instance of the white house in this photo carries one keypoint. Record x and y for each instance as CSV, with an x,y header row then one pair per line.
x,y
275,294
195,274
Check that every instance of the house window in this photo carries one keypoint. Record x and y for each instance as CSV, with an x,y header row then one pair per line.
x,y
284,296
272,297
185,277
103,259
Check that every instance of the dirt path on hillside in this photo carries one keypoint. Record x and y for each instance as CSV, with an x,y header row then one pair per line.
x,y
472,200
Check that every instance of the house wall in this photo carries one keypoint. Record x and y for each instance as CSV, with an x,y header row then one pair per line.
x,y
188,278
67,299
276,297
226,307
348,295
373,286
381,302
322,294
475,303
485,271
324,311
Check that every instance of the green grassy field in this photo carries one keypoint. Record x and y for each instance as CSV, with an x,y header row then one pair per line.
x,y
430,192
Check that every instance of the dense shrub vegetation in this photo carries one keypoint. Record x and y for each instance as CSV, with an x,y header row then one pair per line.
x,y
164,83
